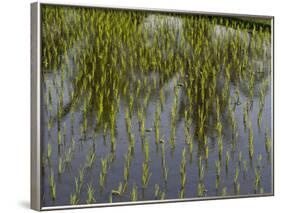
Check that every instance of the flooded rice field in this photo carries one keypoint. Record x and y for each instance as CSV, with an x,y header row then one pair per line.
x,y
140,105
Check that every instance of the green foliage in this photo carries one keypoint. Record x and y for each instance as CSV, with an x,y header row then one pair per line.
x,y
134,193
52,185
90,195
195,69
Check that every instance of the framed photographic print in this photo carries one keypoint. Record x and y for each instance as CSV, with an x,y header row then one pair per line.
x,y
135,106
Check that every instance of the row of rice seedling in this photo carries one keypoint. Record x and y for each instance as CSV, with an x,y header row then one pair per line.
x,y
98,65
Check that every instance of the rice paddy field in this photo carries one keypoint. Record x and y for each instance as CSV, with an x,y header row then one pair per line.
x,y
143,105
